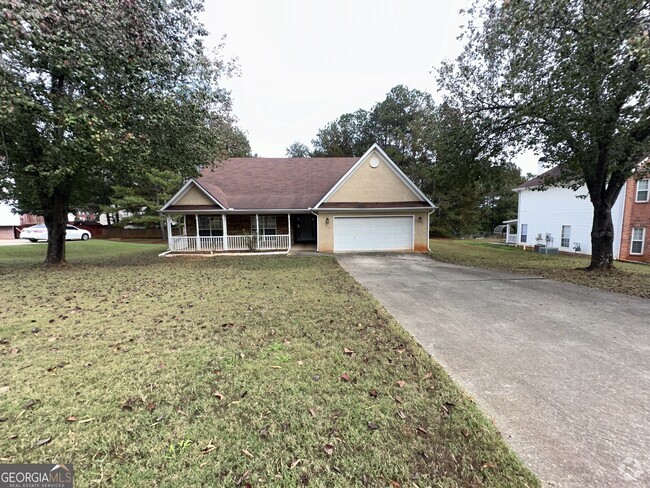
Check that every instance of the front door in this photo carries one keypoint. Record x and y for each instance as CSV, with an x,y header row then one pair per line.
x,y
305,228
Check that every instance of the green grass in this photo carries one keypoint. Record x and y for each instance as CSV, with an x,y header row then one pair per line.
x,y
218,371
628,278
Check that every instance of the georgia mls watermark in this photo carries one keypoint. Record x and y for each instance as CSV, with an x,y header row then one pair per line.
x,y
36,476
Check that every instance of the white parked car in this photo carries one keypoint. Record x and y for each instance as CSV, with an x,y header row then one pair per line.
x,y
38,232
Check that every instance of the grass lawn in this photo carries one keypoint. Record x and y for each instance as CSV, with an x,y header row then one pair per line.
x,y
629,278
229,371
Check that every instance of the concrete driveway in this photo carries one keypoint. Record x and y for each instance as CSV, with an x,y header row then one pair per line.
x,y
564,370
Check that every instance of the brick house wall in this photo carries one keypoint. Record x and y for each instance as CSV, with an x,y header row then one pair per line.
x,y
239,225
637,214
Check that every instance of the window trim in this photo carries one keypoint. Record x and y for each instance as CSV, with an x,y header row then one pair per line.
x,y
263,221
523,237
639,190
568,238
210,229
632,241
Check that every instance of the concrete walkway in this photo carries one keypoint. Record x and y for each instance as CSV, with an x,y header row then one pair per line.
x,y
564,370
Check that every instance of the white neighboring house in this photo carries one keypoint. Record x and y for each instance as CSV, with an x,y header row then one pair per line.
x,y
564,214
8,221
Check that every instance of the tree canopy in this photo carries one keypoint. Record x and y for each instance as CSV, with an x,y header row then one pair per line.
x,y
94,90
440,149
566,78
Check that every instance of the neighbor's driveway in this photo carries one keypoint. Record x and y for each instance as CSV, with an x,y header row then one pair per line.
x,y
564,370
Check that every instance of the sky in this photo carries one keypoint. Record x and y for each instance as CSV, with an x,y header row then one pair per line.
x,y
303,63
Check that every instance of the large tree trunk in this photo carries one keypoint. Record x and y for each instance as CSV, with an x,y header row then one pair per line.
x,y
602,238
56,220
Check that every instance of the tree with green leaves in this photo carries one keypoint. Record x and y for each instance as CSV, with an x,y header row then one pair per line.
x,y
568,78
469,178
90,91
298,150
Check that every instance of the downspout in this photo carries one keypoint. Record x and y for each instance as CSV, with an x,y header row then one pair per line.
x,y
429,228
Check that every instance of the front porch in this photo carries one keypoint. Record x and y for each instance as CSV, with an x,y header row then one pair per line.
x,y
197,233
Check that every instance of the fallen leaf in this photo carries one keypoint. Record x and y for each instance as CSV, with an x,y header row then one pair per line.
x,y
329,449
43,442
85,421
347,351
295,463
465,432
71,418
401,414
4,390
399,400
151,406
373,393
422,430
208,448
218,395
395,484
311,412
401,383
345,377
372,426
29,404
14,351
243,478
428,375
276,367
13,436
247,454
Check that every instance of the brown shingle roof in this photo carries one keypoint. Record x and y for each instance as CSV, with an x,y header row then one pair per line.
x,y
539,180
273,183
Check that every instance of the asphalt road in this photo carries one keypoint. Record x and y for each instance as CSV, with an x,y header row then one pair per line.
x,y
564,370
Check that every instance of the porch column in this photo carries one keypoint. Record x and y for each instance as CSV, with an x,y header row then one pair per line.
x,y
225,231
169,232
289,227
198,239
257,230
507,233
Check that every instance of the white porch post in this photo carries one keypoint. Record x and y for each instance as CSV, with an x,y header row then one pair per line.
x,y
169,232
225,231
507,233
257,230
289,227
198,239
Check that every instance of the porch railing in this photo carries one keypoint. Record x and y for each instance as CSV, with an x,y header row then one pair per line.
x,y
229,243
511,239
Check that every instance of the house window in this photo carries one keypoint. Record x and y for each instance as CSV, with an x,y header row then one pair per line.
x,y
268,225
210,226
524,232
566,236
638,240
642,190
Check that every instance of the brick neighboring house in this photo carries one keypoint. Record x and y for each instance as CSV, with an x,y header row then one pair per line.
x,y
635,235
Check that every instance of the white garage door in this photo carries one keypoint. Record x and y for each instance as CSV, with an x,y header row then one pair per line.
x,y
373,233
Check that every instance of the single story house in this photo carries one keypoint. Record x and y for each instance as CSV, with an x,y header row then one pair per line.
x,y
563,217
270,204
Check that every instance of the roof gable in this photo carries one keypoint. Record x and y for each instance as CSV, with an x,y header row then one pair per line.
x,y
375,178
192,194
